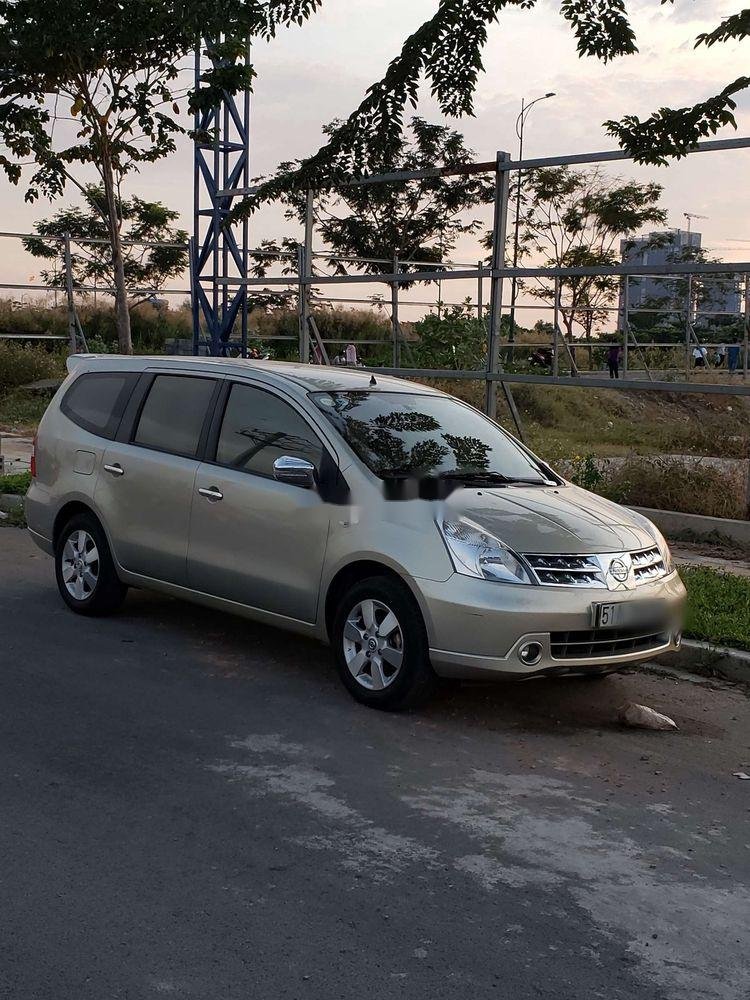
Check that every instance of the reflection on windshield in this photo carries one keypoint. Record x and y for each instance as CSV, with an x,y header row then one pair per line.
x,y
406,435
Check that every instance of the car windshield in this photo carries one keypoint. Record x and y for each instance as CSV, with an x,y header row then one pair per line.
x,y
404,435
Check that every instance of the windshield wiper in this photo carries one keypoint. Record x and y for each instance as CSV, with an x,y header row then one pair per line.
x,y
493,477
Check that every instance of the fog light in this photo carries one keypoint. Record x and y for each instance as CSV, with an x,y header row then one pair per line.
x,y
530,653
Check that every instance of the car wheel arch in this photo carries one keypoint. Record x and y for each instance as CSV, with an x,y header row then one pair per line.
x,y
358,570
68,511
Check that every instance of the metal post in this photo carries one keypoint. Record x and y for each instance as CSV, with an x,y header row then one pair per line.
x,y
746,336
72,331
688,325
499,231
556,332
194,297
626,325
307,270
303,310
480,303
394,317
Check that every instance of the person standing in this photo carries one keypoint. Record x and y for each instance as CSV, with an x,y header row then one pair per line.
x,y
613,360
733,356
700,354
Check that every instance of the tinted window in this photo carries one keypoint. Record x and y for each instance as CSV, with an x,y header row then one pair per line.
x,y
399,434
258,428
173,414
96,401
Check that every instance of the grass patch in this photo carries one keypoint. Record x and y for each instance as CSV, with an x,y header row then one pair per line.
x,y
718,608
22,410
17,484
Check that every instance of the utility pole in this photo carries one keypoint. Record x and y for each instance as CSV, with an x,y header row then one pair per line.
x,y
520,122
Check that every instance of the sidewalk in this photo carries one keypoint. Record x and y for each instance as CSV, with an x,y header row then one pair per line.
x,y
712,556
15,453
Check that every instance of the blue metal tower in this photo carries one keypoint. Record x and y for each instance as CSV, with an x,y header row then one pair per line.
x,y
219,252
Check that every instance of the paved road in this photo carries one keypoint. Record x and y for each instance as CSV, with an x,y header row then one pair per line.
x,y
191,806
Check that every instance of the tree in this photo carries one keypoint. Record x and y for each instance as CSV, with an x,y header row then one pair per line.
x,y
144,223
576,218
446,53
114,69
418,220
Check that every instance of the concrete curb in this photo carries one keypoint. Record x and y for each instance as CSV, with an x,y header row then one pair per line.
x,y
674,523
709,660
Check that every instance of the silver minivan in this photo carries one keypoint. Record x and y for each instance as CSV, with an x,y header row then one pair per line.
x,y
387,518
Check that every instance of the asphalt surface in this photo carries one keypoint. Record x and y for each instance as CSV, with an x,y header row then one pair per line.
x,y
192,806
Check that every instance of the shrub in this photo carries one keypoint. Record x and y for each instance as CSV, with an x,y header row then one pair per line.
x,y
587,473
17,483
20,365
455,340
669,484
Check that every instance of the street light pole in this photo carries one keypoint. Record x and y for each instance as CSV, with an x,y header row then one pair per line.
x,y
520,122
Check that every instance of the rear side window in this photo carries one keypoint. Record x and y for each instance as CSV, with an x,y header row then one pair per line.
x,y
173,414
96,401
258,428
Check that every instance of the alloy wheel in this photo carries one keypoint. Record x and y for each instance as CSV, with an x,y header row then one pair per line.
x,y
80,565
373,645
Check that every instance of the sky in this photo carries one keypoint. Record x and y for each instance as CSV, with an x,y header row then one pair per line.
x,y
310,75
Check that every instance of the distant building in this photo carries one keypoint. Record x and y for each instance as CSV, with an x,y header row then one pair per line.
x,y
719,297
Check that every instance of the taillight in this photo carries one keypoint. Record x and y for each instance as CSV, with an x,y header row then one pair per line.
x,y
33,458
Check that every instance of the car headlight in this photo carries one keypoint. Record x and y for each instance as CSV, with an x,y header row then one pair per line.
x,y
477,553
666,555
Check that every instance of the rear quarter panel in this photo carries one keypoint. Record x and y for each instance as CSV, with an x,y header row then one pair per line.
x,y
68,459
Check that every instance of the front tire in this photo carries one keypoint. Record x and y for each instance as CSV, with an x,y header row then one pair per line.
x,y
380,644
84,568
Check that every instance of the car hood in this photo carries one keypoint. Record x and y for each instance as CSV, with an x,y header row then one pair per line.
x,y
552,520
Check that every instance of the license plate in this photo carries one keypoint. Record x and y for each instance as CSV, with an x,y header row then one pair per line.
x,y
626,613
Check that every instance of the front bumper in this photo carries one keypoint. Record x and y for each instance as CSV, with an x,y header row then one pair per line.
x,y
477,627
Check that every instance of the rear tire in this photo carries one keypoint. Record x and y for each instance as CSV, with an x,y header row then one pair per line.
x,y
84,568
380,644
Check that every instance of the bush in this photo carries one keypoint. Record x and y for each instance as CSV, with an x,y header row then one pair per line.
x,y
20,365
666,484
456,340
17,484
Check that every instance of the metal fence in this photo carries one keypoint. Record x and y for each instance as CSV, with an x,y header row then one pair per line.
x,y
492,276
306,285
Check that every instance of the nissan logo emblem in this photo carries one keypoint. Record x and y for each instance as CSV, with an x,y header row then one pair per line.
x,y
619,570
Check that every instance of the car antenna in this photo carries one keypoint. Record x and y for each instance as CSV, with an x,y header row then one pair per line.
x,y
373,380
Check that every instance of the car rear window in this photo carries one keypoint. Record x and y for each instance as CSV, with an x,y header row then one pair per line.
x,y
173,414
96,401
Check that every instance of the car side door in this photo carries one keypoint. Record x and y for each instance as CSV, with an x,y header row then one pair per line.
x,y
145,487
254,539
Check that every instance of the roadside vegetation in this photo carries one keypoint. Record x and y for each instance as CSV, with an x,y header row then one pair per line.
x,y
718,608
16,483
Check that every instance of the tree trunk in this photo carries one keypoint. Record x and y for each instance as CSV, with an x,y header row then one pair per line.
x,y
122,313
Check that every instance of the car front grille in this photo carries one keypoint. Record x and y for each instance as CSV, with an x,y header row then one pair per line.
x,y
593,643
591,570
567,571
647,565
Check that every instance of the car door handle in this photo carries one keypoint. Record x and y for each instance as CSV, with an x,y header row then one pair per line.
x,y
211,493
115,470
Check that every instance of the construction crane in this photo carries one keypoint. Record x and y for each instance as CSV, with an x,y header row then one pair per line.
x,y
690,216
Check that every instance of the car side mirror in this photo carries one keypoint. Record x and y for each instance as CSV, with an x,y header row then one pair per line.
x,y
295,471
